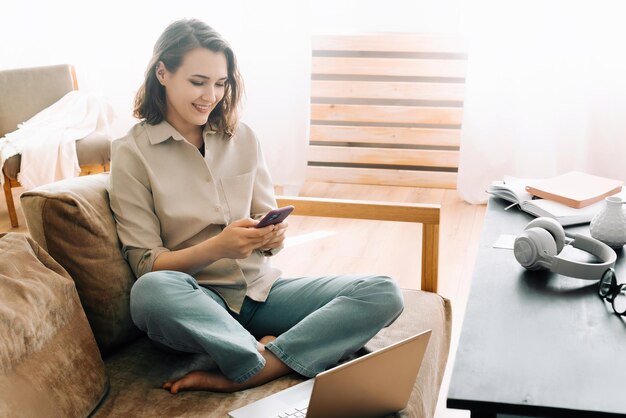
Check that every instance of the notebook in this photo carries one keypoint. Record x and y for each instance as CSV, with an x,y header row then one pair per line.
x,y
374,385
575,189
513,189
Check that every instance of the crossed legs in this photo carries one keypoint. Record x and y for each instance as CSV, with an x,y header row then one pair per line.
x,y
317,322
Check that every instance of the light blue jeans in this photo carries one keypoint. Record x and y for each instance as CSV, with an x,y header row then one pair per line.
x,y
317,321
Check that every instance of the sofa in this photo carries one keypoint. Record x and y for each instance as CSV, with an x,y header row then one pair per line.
x,y
70,349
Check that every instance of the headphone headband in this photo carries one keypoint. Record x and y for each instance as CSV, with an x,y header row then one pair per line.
x,y
581,270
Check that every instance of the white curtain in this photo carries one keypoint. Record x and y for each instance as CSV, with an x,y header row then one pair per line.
x,y
545,91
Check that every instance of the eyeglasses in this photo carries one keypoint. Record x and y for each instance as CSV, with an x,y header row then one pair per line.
x,y
613,292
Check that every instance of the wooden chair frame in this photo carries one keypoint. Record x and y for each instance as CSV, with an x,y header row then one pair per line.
x,y
426,214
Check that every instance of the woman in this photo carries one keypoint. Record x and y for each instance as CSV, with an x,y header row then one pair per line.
x,y
188,185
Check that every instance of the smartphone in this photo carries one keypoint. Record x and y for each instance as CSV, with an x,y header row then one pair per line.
x,y
275,216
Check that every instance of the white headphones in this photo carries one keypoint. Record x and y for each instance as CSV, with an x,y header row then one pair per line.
x,y
539,247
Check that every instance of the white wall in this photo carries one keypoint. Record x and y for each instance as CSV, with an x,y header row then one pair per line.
x,y
110,43
346,16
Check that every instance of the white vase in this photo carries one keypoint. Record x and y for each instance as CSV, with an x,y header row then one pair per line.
x,y
609,225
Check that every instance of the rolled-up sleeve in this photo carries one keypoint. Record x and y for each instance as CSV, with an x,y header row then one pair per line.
x,y
131,201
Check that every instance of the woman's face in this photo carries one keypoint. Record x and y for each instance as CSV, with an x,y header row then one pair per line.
x,y
193,91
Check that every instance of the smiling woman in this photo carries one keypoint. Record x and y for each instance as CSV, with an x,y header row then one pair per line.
x,y
204,281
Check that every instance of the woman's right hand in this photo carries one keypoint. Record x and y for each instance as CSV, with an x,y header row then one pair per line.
x,y
240,238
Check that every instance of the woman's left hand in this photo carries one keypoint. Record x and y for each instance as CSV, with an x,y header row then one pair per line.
x,y
277,237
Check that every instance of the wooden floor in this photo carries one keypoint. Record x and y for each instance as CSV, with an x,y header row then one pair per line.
x,y
352,246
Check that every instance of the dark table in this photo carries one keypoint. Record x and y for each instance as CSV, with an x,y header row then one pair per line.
x,y
537,343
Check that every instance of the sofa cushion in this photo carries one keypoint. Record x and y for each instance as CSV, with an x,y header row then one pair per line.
x,y
72,221
49,362
138,371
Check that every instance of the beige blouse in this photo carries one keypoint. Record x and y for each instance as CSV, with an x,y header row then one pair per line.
x,y
165,196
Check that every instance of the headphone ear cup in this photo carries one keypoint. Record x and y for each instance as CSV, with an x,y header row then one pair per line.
x,y
553,227
534,249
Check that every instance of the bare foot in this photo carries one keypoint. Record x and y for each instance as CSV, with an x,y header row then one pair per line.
x,y
267,339
200,379
217,382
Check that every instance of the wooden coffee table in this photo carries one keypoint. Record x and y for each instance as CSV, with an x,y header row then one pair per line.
x,y
537,343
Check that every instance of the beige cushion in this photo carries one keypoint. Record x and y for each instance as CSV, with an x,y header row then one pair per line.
x,y
71,219
49,362
137,371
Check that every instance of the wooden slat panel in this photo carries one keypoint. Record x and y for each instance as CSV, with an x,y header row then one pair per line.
x,y
390,114
386,135
387,90
385,177
392,156
395,42
398,67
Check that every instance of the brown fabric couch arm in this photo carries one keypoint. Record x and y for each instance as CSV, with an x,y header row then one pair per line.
x,y
50,365
71,219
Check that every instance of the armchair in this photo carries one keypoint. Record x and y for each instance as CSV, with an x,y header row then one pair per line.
x,y
26,92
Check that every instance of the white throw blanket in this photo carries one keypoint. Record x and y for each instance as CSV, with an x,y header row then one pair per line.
x,y
47,141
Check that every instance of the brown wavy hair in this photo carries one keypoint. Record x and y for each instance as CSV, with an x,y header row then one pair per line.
x,y
179,38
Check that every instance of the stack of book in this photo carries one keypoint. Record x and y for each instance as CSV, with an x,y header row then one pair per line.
x,y
570,198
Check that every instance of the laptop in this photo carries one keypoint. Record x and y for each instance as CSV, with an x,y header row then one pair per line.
x,y
374,385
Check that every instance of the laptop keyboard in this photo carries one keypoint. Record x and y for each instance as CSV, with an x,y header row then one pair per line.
x,y
295,412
